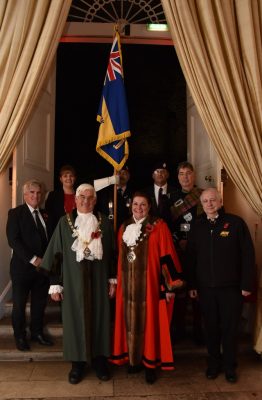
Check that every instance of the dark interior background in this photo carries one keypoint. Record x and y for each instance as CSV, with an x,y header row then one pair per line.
x,y
156,95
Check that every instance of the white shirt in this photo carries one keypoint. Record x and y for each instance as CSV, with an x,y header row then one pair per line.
x,y
42,221
156,190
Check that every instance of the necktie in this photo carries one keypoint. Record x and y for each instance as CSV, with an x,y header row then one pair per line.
x,y
160,200
120,191
40,229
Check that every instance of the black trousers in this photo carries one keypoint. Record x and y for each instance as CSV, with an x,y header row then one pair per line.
x,y
221,310
36,285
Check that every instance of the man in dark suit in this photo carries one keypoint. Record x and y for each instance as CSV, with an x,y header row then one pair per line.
x,y
27,236
161,194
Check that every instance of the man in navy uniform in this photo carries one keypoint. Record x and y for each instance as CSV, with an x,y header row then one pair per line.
x,y
105,198
161,193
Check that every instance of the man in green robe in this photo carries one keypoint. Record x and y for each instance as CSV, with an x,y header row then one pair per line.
x,y
80,260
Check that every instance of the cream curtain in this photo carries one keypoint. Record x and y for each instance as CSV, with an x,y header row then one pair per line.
x,y
219,45
258,322
29,34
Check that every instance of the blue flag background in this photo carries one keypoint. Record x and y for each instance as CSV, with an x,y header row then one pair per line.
x,y
113,113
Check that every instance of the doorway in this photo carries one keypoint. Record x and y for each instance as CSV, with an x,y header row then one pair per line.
x,y
156,96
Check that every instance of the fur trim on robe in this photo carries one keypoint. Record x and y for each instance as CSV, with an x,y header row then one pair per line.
x,y
142,314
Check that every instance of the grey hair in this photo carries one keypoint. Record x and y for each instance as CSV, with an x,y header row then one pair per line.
x,y
32,182
211,189
85,186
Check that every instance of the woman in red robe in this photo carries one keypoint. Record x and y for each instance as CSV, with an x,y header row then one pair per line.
x,y
148,274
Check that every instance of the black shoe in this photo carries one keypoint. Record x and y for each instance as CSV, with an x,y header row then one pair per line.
x,y
101,368
75,375
21,344
212,372
134,369
41,339
231,376
150,375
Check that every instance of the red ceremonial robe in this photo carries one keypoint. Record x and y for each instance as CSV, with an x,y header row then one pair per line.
x,y
162,269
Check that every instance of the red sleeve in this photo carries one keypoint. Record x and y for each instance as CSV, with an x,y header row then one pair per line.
x,y
170,264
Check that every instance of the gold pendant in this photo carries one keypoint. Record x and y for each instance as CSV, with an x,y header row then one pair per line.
x,y
131,256
87,252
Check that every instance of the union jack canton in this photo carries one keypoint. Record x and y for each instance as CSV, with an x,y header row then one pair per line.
x,y
113,113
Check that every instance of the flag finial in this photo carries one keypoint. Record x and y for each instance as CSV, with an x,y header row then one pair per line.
x,y
120,25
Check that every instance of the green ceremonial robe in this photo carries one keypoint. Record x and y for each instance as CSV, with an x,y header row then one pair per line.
x,y
85,306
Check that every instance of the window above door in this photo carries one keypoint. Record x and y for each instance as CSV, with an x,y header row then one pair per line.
x,y
127,11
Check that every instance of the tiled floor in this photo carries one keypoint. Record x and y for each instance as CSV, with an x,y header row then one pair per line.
x,y
48,380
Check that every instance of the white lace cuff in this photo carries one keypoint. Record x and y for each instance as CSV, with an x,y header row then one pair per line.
x,y
104,182
55,289
113,281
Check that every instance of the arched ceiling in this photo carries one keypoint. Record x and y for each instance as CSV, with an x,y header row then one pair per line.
x,y
124,11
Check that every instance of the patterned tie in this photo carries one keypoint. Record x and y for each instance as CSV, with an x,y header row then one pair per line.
x,y
41,230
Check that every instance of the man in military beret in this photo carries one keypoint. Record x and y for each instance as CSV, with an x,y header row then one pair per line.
x,y
161,193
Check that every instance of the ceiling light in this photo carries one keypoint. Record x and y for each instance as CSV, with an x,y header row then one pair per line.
x,y
157,27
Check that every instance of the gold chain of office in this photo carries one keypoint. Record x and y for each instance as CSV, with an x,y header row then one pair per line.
x,y
131,255
94,235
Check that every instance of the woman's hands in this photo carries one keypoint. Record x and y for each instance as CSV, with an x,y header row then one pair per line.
x,y
170,296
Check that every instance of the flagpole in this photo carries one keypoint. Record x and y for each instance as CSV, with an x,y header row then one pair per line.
x,y
115,205
115,172
113,118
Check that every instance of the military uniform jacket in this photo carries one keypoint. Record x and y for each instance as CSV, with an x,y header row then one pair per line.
x,y
168,201
185,209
